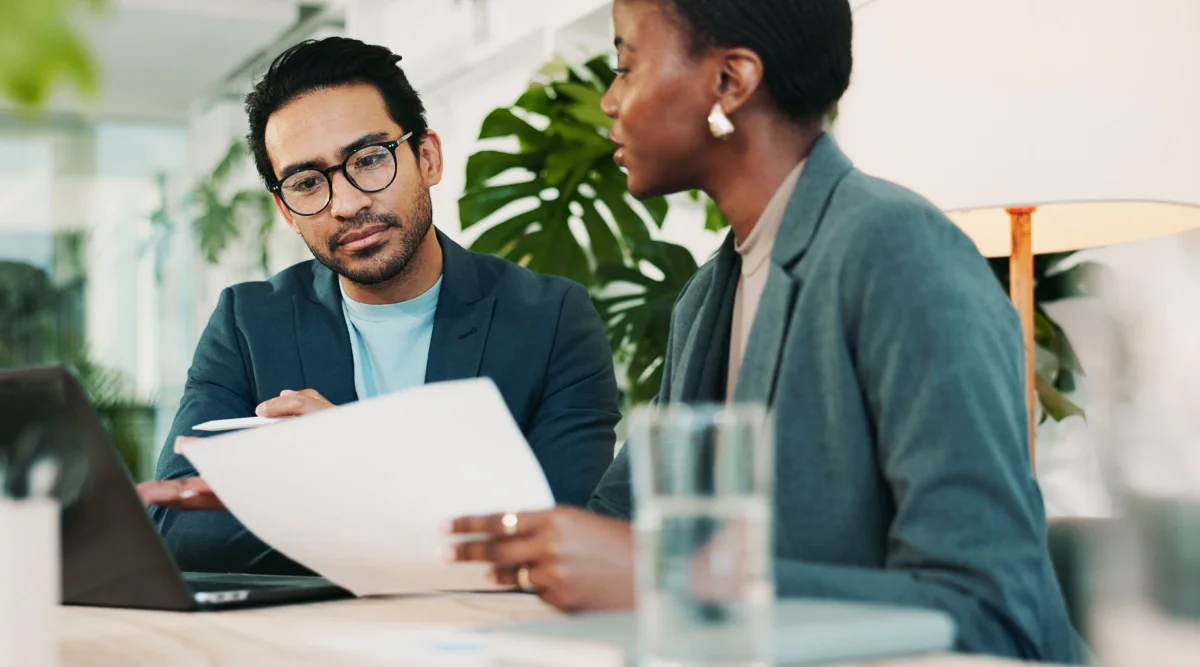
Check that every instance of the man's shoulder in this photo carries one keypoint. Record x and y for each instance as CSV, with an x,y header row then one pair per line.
x,y
294,280
518,286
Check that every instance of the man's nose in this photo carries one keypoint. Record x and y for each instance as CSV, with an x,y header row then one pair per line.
x,y
347,200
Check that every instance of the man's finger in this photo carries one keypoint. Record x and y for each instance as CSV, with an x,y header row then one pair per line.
x,y
494,524
183,440
282,406
191,493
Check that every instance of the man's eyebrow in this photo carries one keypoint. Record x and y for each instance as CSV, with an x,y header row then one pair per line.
x,y
345,152
621,44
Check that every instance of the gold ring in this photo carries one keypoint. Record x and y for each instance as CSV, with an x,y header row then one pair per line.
x,y
510,521
523,581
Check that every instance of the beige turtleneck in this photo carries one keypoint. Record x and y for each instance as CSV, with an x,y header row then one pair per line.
x,y
756,253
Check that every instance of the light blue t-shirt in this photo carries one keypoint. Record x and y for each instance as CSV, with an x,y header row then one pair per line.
x,y
390,343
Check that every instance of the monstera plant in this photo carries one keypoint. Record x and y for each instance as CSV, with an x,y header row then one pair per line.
x,y
569,213
554,201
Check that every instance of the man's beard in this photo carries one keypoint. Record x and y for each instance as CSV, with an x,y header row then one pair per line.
x,y
385,261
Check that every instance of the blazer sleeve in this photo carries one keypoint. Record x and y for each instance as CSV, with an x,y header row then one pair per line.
x,y
219,386
573,432
938,351
614,495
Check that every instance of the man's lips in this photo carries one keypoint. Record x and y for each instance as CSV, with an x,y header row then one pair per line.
x,y
364,237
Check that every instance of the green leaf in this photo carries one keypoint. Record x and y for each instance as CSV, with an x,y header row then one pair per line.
x,y
638,323
486,165
1056,405
587,137
536,100
476,205
605,247
1081,280
612,190
600,67
562,166
497,240
714,219
592,115
657,208
233,156
41,50
503,123
580,93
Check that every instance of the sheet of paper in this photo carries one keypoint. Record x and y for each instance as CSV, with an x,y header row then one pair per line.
x,y
360,493
234,424
418,647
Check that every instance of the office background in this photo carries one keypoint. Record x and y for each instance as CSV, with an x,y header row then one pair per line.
x,y
122,205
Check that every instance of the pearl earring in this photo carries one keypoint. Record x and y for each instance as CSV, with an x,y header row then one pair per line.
x,y
718,123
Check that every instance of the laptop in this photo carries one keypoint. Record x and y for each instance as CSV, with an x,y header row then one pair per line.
x,y
112,554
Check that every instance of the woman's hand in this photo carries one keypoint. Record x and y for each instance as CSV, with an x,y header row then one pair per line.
x,y
576,560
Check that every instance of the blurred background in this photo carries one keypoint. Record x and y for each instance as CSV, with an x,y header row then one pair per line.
x,y
127,201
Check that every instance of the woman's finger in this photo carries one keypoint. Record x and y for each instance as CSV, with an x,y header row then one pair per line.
x,y
499,525
504,552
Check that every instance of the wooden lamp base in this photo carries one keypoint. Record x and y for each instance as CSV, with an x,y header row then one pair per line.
x,y
1020,289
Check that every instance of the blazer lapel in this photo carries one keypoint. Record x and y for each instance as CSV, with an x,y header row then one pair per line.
x,y
464,314
323,340
764,348
709,331
825,166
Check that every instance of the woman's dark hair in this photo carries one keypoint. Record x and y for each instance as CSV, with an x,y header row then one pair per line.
x,y
804,45
327,63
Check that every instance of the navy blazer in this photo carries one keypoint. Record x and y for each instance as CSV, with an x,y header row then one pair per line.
x,y
539,338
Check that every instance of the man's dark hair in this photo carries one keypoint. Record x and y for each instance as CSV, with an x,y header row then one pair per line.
x,y
327,63
804,45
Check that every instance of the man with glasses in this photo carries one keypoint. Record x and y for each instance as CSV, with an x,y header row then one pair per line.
x,y
339,136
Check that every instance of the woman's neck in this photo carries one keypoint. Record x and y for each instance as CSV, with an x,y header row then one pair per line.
x,y
751,166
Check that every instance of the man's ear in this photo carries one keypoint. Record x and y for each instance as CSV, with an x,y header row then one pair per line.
x,y
739,77
430,162
285,212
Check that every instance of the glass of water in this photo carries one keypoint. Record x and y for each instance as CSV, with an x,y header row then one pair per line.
x,y
703,480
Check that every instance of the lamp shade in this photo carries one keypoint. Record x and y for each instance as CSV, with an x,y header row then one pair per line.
x,y
1088,110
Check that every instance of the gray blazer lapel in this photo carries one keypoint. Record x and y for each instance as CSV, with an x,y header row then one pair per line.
x,y
323,340
464,314
709,327
825,166
764,348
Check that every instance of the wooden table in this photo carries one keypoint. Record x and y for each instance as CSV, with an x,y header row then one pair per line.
x,y
288,636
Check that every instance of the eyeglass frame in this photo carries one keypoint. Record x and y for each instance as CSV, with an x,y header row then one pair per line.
x,y
391,146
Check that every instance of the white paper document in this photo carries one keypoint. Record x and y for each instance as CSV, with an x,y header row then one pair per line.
x,y
360,493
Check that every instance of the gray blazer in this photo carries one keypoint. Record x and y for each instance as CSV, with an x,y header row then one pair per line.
x,y
893,362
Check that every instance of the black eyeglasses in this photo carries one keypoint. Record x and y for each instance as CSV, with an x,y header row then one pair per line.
x,y
370,169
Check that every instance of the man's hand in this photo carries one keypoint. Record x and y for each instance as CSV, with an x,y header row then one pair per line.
x,y
577,561
293,404
189,493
